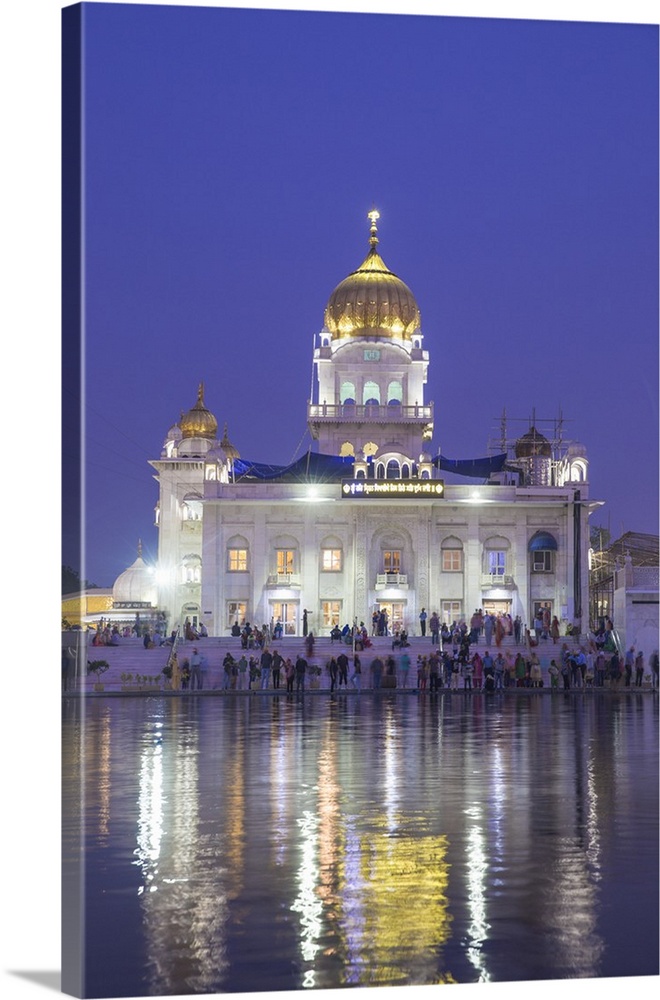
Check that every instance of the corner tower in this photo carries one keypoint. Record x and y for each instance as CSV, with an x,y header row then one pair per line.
x,y
370,373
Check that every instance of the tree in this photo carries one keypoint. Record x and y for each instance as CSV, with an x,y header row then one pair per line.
x,y
72,584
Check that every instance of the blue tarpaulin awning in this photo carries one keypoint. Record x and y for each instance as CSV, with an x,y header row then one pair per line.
x,y
542,540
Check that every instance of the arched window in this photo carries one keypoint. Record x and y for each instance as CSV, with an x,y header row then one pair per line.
x,y
578,471
191,507
393,469
285,556
394,393
452,555
371,394
332,557
191,569
496,550
347,393
542,547
238,553
405,471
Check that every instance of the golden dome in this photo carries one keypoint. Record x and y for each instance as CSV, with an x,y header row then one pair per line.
x,y
228,448
198,422
533,443
372,298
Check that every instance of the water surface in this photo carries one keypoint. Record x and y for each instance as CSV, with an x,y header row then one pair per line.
x,y
265,843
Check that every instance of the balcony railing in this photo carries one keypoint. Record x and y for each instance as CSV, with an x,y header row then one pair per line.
x,y
497,580
355,412
391,580
284,580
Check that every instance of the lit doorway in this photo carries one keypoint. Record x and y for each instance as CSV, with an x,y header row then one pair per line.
x,y
395,611
287,613
538,609
493,607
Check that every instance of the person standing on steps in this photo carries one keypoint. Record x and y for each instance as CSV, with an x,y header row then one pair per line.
x,y
356,676
342,665
195,670
422,621
301,670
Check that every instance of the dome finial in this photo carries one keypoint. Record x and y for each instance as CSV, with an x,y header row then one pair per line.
x,y
200,392
139,548
373,237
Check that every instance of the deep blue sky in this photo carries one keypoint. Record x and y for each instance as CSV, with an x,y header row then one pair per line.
x,y
231,157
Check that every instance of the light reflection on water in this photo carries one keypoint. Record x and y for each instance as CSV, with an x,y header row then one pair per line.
x,y
263,843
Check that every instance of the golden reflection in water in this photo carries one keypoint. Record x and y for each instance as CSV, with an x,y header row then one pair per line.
x,y
394,904
329,815
233,838
378,894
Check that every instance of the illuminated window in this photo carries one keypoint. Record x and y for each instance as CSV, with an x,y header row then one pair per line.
x,y
452,555
236,612
392,561
452,561
495,555
286,560
331,613
496,562
331,560
237,560
451,611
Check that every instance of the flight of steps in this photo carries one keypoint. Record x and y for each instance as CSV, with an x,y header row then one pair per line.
x,y
132,658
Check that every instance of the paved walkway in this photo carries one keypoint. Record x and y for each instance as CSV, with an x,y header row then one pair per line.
x,y
136,670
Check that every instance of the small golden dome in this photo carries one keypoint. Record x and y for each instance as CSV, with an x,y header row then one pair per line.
x,y
230,451
533,443
198,422
372,298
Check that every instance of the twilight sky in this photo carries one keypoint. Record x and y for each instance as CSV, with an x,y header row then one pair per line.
x,y
231,156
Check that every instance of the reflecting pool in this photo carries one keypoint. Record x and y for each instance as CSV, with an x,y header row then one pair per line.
x,y
267,843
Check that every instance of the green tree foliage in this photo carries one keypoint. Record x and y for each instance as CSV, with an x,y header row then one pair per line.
x,y
71,582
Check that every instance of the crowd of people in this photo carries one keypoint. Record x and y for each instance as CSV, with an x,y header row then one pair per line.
x,y
460,668
455,661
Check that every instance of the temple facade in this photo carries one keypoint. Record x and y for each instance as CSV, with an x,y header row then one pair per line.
x,y
366,521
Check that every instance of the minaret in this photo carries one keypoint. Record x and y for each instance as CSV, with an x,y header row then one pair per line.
x,y
371,371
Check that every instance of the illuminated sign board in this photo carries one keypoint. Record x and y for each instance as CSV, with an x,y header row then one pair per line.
x,y
405,489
